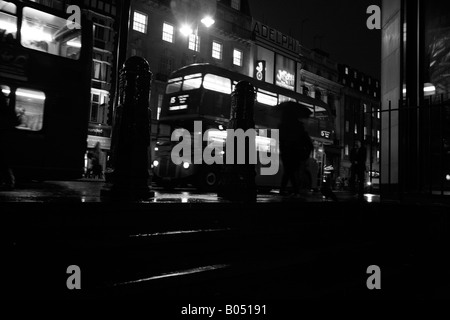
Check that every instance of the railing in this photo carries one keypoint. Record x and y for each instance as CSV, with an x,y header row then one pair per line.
x,y
415,155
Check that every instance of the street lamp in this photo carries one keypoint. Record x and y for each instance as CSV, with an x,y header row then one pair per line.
x,y
187,31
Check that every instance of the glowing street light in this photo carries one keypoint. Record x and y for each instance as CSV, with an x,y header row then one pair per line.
x,y
186,30
208,21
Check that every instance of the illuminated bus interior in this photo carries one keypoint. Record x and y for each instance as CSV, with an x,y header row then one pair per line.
x,y
40,31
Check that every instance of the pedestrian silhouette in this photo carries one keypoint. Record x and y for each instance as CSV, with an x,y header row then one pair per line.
x,y
95,170
326,190
8,121
358,156
295,147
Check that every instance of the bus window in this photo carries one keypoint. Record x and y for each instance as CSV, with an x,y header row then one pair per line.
x,y
217,83
30,109
8,22
45,32
193,81
266,97
174,85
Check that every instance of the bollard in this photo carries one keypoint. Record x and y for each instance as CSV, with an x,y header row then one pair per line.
x,y
238,180
130,140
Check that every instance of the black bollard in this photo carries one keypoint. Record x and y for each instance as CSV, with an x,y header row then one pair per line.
x,y
238,180
130,140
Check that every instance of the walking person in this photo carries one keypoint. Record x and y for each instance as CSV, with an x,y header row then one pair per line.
x,y
295,149
8,121
358,157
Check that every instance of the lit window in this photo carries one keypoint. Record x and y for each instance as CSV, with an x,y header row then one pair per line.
x,y
97,69
193,81
217,50
160,100
346,150
47,33
236,4
217,83
9,24
174,85
194,42
378,156
378,135
30,109
356,128
237,57
346,70
266,97
167,32
140,22
282,98
378,114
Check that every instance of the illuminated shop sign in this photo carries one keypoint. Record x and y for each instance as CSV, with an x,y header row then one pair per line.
x,y
285,79
260,70
267,33
325,134
99,130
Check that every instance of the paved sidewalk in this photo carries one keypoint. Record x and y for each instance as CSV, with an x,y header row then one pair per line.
x,y
89,191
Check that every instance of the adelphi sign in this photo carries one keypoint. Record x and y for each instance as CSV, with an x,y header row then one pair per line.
x,y
264,32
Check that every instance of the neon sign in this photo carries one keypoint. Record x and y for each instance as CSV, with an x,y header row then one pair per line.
x,y
285,79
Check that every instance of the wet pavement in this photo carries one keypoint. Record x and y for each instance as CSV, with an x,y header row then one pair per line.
x,y
90,191
184,245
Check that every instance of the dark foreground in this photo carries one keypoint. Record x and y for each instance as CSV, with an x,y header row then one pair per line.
x,y
210,253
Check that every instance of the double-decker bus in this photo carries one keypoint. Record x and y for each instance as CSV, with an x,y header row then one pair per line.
x,y
202,92
45,73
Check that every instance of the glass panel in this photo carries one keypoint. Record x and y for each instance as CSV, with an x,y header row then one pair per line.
x,y
282,98
8,7
8,26
192,82
266,97
173,85
30,109
217,83
45,32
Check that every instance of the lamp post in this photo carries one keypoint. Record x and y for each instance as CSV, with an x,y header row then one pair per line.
x,y
187,30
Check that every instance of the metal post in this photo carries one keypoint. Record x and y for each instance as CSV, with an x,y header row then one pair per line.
x,y
238,180
131,134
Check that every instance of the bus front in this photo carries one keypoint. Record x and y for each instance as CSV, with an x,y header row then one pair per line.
x,y
193,103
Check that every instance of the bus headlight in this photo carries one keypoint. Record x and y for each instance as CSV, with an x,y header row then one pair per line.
x,y
186,165
155,163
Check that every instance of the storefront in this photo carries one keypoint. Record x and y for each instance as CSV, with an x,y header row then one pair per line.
x,y
98,146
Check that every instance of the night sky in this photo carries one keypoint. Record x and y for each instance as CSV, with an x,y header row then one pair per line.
x,y
335,26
